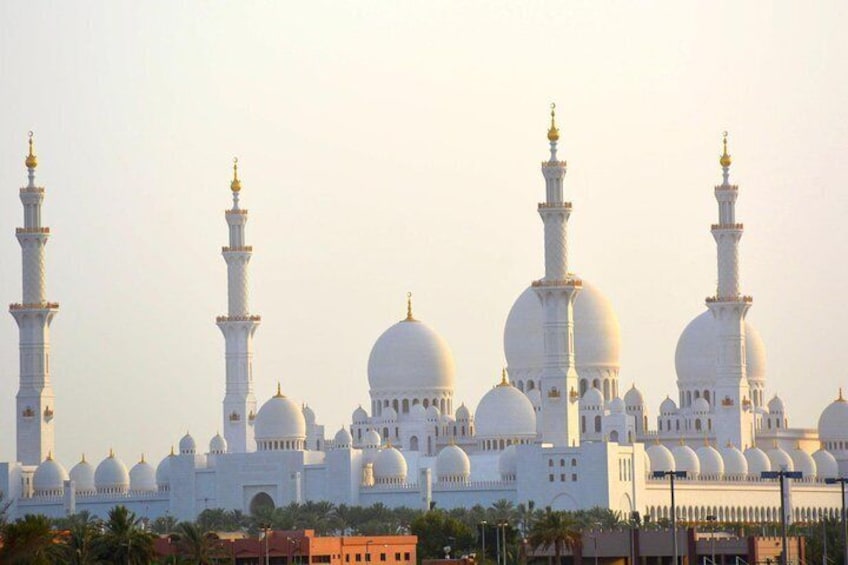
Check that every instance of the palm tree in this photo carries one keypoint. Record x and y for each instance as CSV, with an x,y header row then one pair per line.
x,y
198,546
124,541
81,540
30,541
555,529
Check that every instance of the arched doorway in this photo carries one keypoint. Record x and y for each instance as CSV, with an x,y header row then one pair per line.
x,y
261,503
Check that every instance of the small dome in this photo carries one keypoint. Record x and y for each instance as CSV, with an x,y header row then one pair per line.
x,y
758,461
433,413
372,440
700,406
508,463
668,407
389,414
535,397
712,464
826,465
780,460
685,459
143,477
660,457
804,462
360,416
188,445
411,356
735,464
504,412
343,439
616,406
453,465
390,467
49,477
163,472
217,445
833,422
280,418
633,398
417,412
111,476
308,415
775,405
462,413
592,398
83,476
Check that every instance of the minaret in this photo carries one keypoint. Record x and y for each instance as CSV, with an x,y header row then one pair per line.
x,y
732,403
557,291
238,327
34,315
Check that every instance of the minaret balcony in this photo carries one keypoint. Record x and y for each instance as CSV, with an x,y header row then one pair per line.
x,y
746,299
242,249
727,226
34,306
572,282
548,164
727,188
250,318
555,205
235,211
32,230
32,190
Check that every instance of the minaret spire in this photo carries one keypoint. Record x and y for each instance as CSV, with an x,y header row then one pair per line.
x,y
35,400
734,395
238,327
557,290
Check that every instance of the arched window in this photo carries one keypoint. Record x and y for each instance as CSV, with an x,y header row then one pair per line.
x,y
597,423
405,406
583,424
698,424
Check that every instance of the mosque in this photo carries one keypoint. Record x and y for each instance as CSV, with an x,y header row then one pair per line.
x,y
556,429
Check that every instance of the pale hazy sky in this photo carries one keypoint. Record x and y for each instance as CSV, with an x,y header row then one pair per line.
x,y
395,146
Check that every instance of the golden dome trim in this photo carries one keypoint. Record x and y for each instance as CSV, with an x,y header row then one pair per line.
x,y
553,132
725,159
235,186
32,158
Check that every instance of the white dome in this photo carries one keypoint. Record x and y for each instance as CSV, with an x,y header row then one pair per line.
x,y
735,464
433,413
389,414
685,459
597,335
633,397
826,465
592,398
143,477
535,397
217,445
280,418
417,412
616,406
308,415
804,462
360,416
410,356
163,472
700,406
660,457
758,461
668,407
780,460
372,440
187,445
712,464
111,476
49,477
83,476
452,464
508,462
833,422
504,412
390,466
462,413
694,358
343,439
775,405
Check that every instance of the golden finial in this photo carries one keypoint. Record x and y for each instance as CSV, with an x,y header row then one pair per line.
x,y
49,456
409,317
82,460
388,443
279,391
172,451
774,443
725,157
111,453
31,160
142,458
729,444
553,132
840,399
504,380
681,442
235,186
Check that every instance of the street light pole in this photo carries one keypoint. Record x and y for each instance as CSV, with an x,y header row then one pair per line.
x,y
841,481
782,475
483,529
671,475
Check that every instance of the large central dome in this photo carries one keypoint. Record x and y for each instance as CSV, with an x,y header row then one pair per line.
x,y
410,356
597,335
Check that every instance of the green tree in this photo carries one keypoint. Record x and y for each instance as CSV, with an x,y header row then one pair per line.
x,y
198,546
436,530
123,539
30,540
79,548
555,529
163,524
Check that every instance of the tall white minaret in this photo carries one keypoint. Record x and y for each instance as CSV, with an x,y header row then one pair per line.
x,y
238,327
733,406
35,394
557,291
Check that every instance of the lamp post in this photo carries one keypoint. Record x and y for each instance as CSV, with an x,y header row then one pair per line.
x,y
265,528
672,475
841,481
502,540
711,519
782,475
483,529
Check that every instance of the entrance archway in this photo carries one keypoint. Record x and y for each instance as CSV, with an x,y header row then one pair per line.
x,y
261,503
